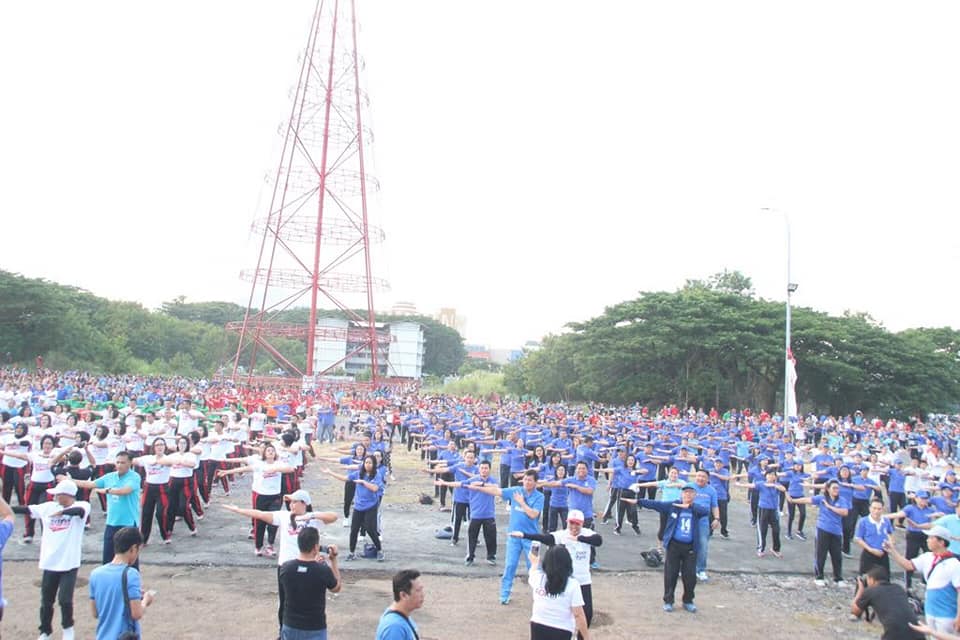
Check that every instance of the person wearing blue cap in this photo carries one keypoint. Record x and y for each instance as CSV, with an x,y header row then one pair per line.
x,y
682,544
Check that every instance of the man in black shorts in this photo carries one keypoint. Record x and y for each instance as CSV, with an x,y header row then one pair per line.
x,y
304,582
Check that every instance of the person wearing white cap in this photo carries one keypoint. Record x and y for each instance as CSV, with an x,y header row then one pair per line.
x,y
578,540
289,523
61,546
941,572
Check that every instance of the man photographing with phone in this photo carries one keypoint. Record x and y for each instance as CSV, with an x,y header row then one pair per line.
x,y
303,583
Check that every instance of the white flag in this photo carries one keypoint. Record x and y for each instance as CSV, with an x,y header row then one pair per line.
x,y
792,385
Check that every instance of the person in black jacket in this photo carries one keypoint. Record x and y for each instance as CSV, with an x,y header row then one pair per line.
x,y
680,543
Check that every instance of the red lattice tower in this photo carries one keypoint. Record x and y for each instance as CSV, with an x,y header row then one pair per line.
x,y
316,235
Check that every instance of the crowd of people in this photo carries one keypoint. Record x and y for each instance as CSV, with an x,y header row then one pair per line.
x,y
156,450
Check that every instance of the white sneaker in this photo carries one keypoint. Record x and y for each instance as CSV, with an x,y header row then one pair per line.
x,y
346,523
703,577
68,633
44,636
820,583
840,584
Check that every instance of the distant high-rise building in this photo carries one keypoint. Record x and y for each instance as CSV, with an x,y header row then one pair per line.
x,y
448,317
403,308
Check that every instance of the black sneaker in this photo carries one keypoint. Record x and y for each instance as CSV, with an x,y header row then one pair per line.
x,y
492,561
468,562
801,535
616,531
636,530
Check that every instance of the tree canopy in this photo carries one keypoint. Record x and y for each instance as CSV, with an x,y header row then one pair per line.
x,y
712,343
74,329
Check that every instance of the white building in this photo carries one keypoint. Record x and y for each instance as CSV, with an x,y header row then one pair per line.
x,y
405,354
399,351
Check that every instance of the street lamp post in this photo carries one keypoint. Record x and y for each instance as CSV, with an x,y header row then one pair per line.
x,y
791,288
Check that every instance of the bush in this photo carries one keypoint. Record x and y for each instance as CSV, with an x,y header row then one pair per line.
x,y
478,384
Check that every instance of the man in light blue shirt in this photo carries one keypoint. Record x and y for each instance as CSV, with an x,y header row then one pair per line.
x,y
952,524
408,596
525,506
106,588
122,488
707,498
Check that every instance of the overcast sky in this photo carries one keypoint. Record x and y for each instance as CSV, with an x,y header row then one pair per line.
x,y
538,160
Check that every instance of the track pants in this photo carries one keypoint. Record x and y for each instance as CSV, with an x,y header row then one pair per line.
x,y
461,512
489,526
831,543
680,562
14,479
154,500
768,519
52,584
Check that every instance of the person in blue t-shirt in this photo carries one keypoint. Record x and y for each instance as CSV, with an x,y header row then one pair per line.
x,y
795,479
408,596
897,492
706,497
482,513
525,505
106,588
919,516
870,535
366,502
831,511
122,491
459,471
682,544
768,516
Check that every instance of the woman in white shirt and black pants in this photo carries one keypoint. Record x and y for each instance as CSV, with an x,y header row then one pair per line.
x,y
557,600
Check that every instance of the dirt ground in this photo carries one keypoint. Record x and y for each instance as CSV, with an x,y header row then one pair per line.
x,y
213,586
203,602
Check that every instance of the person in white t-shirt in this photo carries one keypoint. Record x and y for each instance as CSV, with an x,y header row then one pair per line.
x,y
156,497
557,599
61,546
41,474
180,485
579,541
187,418
289,524
15,468
266,492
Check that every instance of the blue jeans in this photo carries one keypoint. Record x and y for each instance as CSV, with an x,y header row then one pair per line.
x,y
325,433
515,547
703,542
289,633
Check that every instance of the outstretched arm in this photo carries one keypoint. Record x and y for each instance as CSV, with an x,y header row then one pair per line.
x,y
263,516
